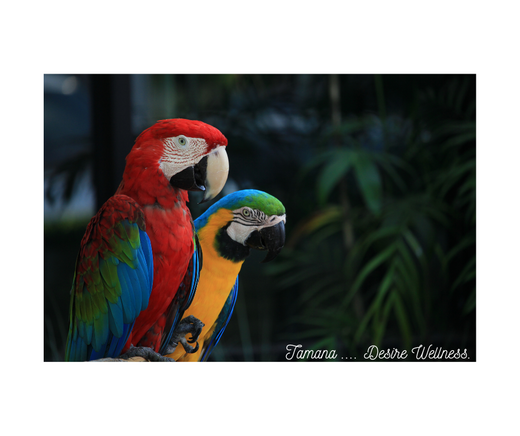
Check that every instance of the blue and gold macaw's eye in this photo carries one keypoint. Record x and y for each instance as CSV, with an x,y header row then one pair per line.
x,y
182,141
246,212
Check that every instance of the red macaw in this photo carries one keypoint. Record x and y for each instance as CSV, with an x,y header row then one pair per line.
x,y
138,263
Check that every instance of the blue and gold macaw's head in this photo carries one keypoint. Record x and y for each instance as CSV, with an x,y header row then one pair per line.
x,y
244,220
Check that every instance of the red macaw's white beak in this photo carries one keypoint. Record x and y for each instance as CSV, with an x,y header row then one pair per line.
x,y
208,175
217,171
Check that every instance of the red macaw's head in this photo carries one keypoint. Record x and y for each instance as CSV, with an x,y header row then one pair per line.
x,y
190,155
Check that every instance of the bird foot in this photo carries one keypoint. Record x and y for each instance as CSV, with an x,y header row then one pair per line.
x,y
190,324
146,353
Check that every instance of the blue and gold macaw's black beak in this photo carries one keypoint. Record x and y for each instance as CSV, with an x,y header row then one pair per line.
x,y
268,238
209,175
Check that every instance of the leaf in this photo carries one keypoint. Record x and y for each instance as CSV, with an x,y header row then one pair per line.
x,y
450,177
457,127
369,181
402,320
321,219
376,304
468,273
379,327
311,289
470,304
469,187
298,276
381,233
317,160
369,268
394,175
466,242
411,281
460,139
332,173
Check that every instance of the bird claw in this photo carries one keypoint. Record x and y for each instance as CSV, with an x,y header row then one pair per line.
x,y
190,324
187,347
146,353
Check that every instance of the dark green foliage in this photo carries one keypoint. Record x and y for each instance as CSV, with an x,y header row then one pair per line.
x,y
380,194
388,257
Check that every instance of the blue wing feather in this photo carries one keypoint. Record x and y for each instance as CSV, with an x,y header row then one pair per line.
x,y
127,296
115,318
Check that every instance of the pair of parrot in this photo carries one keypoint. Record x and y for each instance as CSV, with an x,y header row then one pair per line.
x,y
146,275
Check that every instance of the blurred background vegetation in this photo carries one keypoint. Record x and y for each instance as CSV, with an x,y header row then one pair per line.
x,y
377,173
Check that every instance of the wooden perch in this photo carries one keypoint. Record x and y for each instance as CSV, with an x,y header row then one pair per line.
x,y
132,359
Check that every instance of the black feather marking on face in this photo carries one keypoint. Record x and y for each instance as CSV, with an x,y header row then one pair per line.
x,y
228,248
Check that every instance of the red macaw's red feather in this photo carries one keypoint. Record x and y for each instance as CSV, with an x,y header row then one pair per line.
x,y
168,220
103,227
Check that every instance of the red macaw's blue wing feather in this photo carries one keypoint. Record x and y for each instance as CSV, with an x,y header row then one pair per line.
x,y
184,295
221,322
112,282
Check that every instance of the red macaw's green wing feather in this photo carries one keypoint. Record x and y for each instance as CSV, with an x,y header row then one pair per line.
x,y
112,282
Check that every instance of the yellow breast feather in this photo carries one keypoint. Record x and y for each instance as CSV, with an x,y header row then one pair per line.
x,y
216,281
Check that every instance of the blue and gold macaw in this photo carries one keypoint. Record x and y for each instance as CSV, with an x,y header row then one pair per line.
x,y
227,231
